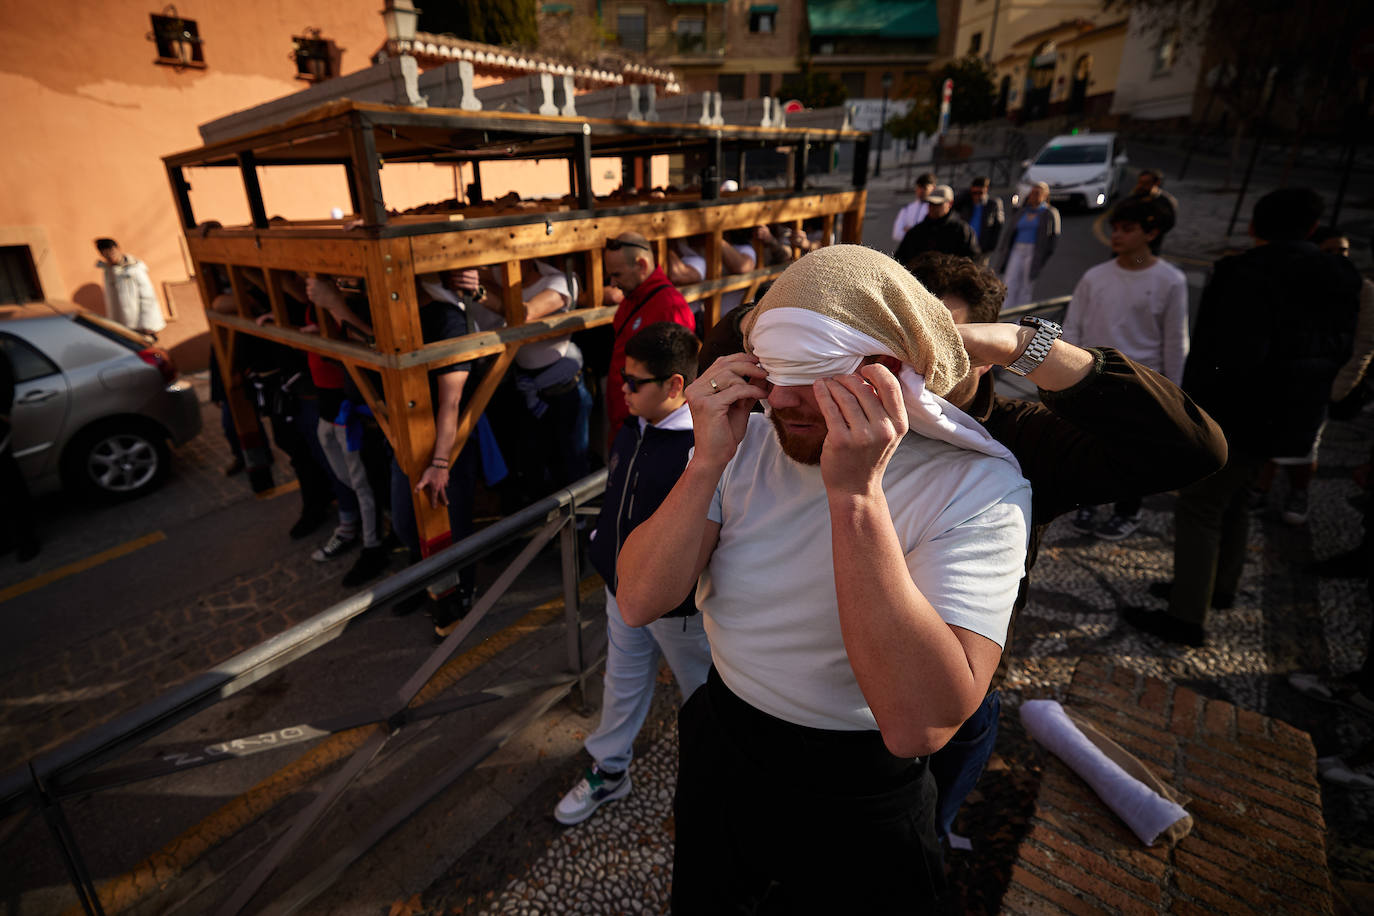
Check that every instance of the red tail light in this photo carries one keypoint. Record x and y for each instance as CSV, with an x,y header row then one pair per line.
x,y
160,361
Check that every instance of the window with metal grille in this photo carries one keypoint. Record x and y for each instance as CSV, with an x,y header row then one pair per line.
x,y
632,28
177,39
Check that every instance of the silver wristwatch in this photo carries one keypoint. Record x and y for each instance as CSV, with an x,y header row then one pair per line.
x,y
1046,332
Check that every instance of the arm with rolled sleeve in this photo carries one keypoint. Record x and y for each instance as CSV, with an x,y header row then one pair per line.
x,y
922,665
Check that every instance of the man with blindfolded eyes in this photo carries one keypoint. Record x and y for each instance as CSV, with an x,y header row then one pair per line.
x,y
859,551
648,297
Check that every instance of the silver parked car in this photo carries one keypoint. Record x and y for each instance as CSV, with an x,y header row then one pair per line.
x,y
94,403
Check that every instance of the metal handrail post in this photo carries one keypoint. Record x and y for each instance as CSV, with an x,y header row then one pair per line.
x,y
572,603
62,835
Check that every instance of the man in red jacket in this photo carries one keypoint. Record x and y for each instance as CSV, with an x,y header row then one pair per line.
x,y
648,297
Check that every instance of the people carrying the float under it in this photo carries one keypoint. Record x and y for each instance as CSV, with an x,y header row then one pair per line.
x,y
647,296
856,584
651,449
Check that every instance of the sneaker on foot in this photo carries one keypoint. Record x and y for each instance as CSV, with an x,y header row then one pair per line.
x,y
333,547
1295,508
592,791
1119,527
1166,627
371,563
1342,691
1085,520
1342,772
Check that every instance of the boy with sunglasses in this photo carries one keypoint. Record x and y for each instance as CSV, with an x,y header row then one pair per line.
x,y
650,450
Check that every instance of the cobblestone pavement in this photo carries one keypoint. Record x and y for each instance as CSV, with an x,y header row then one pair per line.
x,y
1284,620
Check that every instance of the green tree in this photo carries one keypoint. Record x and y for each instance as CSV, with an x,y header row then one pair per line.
x,y
508,23
812,89
974,88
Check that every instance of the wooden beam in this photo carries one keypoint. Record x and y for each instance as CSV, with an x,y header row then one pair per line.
x,y
465,247
392,296
713,270
366,172
582,160
248,168
341,255
512,294
181,195
371,396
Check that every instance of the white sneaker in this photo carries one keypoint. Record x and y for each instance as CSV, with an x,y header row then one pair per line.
x,y
591,792
1335,769
332,548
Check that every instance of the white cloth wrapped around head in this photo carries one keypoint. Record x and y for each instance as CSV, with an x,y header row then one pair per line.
x,y
839,304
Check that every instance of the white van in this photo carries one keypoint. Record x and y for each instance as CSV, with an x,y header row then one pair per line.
x,y
1083,169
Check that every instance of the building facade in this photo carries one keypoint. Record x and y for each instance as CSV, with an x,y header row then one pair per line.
x,y
1052,58
747,49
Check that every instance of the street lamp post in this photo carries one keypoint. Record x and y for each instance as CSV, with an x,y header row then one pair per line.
x,y
882,125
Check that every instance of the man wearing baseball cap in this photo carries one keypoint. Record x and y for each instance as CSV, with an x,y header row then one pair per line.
x,y
942,230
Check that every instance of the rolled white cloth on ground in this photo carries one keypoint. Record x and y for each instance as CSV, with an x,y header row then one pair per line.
x,y
1147,806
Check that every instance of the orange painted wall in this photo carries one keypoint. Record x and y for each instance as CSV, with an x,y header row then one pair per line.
x,y
87,116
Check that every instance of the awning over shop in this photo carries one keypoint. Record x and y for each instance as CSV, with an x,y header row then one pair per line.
x,y
763,8
879,18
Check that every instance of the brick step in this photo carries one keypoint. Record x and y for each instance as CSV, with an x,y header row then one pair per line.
x,y
1258,838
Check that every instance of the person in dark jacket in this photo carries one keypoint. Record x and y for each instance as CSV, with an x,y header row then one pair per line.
x,y
1274,326
647,457
941,230
982,212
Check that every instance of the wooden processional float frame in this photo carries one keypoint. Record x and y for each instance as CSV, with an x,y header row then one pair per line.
x,y
387,251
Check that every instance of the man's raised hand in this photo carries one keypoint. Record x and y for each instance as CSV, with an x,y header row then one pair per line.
x,y
865,419
720,401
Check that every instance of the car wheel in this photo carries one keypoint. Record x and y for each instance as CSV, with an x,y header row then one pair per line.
x,y
117,460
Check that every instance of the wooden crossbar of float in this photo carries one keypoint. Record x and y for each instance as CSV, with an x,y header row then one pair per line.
x,y
387,252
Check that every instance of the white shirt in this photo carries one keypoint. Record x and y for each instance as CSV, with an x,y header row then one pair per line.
x,y
728,301
545,352
768,593
907,217
1142,313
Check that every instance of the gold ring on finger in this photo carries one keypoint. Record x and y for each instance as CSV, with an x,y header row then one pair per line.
x,y
715,385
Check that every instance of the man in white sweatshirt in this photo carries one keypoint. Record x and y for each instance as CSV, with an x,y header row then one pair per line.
x,y
129,295
1138,304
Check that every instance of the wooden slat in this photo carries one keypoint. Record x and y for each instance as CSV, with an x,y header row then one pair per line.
x,y
466,247
310,343
373,399
268,249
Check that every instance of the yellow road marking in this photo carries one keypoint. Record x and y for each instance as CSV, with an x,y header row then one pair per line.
x,y
71,569
153,873
1098,230
278,491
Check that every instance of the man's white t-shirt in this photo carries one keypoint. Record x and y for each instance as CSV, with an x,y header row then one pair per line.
x,y
1143,313
728,301
768,593
545,352
907,217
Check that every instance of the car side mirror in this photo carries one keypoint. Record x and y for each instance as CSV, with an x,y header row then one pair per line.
x,y
1120,159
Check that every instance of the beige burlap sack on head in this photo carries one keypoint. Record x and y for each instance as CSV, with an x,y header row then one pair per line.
x,y
868,291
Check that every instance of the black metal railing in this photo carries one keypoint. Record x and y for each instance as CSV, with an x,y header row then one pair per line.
x,y
88,763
